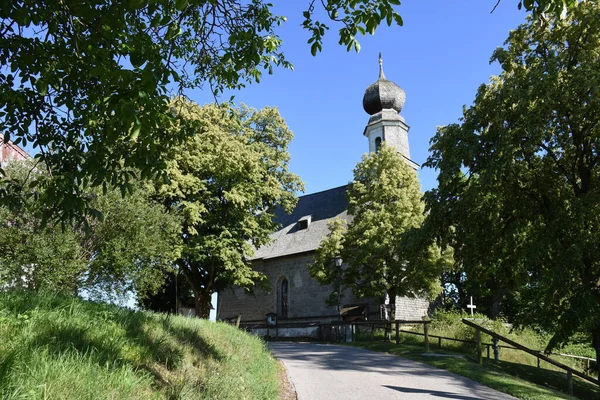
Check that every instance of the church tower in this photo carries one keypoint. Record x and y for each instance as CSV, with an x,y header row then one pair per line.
x,y
383,101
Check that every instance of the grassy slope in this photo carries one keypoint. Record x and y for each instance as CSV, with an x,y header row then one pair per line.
x,y
65,348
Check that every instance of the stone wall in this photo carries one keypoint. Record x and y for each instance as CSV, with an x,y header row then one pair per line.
x,y
306,297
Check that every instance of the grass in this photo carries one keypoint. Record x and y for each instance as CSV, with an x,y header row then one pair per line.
x,y
521,381
449,324
55,347
513,374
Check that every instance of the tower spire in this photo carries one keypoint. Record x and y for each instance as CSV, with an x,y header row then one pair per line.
x,y
381,75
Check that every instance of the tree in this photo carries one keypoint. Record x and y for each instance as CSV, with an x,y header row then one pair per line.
x,y
130,249
226,182
382,245
174,294
519,177
88,83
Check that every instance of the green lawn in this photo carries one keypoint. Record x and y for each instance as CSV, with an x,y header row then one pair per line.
x,y
522,381
65,348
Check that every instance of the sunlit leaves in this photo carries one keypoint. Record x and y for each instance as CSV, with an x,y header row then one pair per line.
x,y
519,182
226,181
355,16
382,244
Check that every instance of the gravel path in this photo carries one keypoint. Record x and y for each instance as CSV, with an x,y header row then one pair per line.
x,y
342,372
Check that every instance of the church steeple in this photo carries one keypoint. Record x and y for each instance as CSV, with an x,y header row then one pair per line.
x,y
383,101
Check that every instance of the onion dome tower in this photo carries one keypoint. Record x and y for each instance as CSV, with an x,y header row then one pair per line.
x,y
383,101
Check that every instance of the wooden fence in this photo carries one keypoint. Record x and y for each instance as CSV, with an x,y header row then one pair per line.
x,y
570,371
389,325
394,326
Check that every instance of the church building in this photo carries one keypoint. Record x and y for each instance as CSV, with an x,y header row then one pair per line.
x,y
294,295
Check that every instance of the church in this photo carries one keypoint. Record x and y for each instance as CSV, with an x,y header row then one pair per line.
x,y
295,296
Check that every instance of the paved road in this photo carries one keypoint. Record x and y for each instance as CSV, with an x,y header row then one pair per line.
x,y
340,372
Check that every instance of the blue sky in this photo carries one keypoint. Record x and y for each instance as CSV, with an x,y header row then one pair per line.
x,y
439,57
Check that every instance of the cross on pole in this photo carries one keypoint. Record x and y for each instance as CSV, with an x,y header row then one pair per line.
x,y
471,306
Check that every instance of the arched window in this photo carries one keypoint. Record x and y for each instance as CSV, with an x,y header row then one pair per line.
x,y
283,298
377,144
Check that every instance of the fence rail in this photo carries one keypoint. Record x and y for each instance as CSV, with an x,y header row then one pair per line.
x,y
535,353
395,325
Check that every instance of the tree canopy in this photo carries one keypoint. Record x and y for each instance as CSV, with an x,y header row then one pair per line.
x,y
382,245
226,182
519,177
88,83
130,249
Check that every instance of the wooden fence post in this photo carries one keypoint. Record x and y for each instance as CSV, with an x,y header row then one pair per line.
x,y
570,382
397,333
238,320
426,332
440,342
478,340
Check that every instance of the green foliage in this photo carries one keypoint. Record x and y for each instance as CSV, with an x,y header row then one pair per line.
x,y
356,17
519,182
64,348
133,247
383,245
133,55
38,257
130,248
88,83
226,182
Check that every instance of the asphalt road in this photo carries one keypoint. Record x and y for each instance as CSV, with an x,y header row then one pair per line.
x,y
342,372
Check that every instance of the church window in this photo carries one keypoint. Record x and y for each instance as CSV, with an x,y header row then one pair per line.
x,y
377,144
283,298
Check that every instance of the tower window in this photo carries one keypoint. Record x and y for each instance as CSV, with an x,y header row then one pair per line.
x,y
377,144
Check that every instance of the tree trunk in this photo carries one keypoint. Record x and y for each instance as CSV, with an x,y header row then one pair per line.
x,y
201,288
495,306
205,304
596,345
201,302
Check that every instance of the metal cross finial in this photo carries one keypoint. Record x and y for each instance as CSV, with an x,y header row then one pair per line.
x,y
381,75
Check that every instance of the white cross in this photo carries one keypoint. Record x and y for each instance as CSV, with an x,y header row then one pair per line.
x,y
471,306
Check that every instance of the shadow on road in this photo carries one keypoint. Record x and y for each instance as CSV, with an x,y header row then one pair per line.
x,y
345,358
436,393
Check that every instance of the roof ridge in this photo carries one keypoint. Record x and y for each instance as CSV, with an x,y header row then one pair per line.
x,y
323,191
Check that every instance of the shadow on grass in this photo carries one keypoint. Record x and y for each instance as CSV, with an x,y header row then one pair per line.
x,y
191,337
556,380
156,340
491,372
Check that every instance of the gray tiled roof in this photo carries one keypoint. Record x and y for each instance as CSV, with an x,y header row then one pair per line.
x,y
322,206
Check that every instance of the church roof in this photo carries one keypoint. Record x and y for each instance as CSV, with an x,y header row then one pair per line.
x,y
320,207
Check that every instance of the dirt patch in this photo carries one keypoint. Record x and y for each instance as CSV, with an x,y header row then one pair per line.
x,y
287,390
